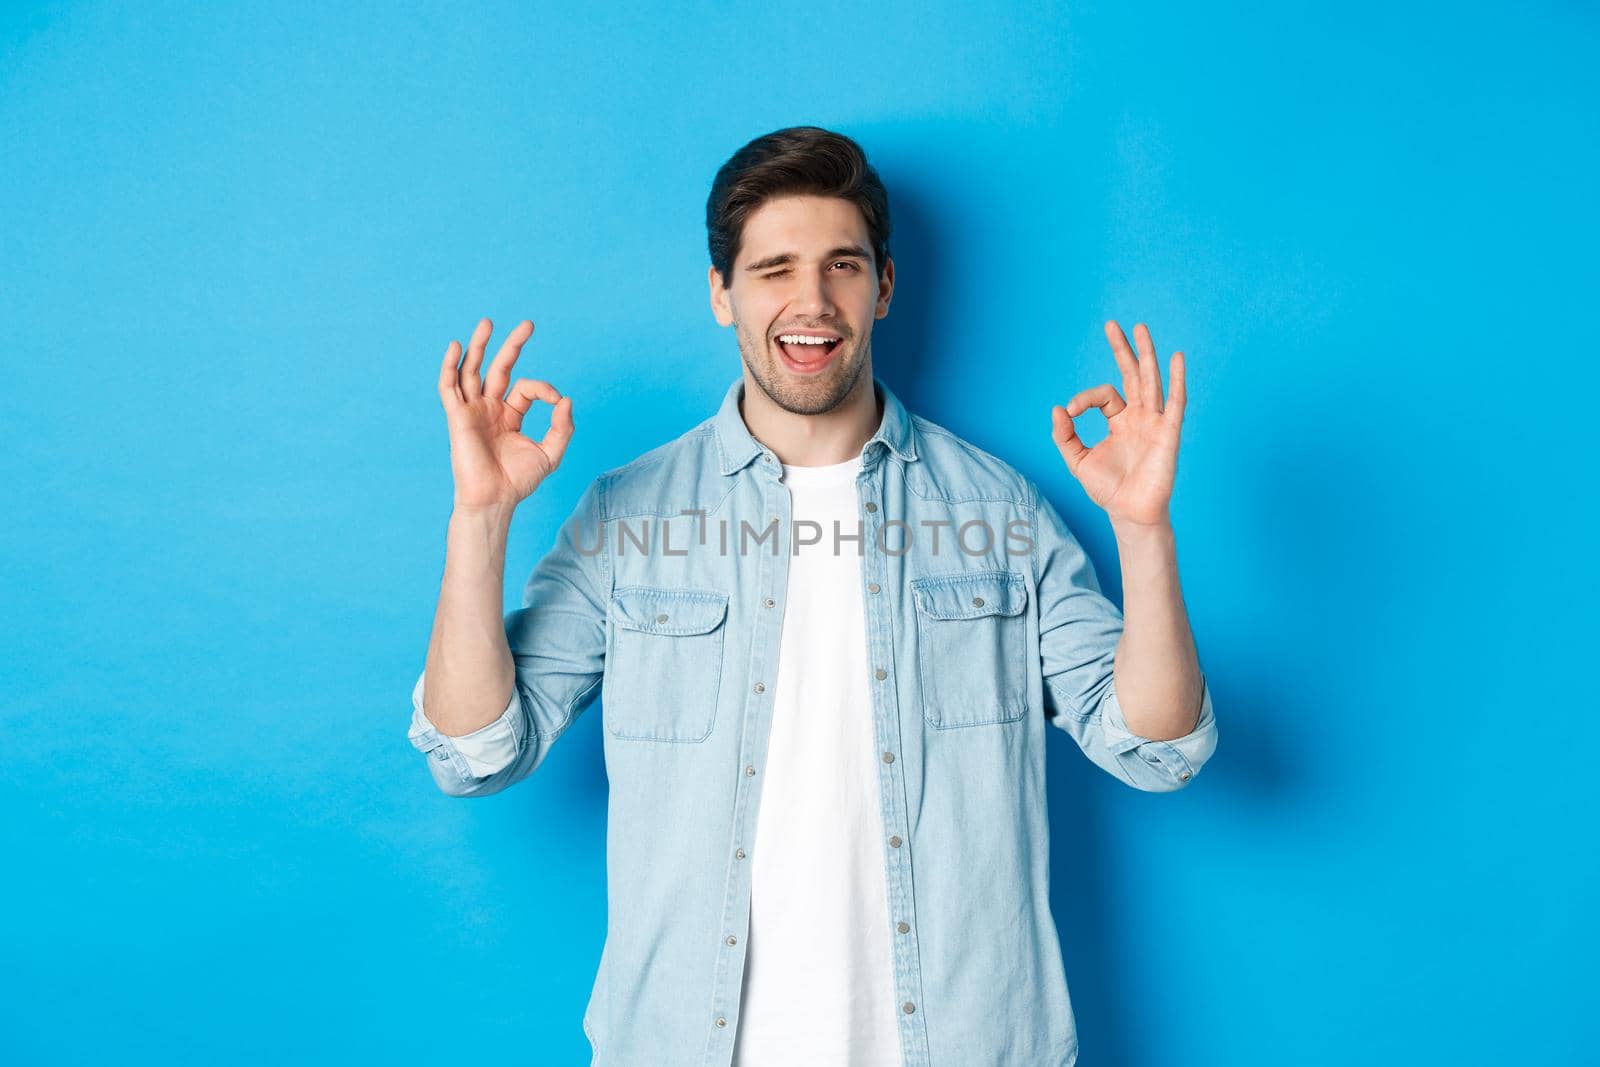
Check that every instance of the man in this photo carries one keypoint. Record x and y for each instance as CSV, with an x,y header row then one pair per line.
x,y
827,635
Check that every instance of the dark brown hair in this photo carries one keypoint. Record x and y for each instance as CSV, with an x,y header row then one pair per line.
x,y
792,161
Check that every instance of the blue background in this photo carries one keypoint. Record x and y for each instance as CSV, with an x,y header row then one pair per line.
x,y
236,244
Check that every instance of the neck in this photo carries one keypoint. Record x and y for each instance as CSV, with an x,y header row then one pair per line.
x,y
813,440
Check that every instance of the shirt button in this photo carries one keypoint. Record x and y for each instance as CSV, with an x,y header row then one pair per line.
x,y
769,602
738,853
880,674
732,940
872,587
888,757
1184,776
749,772
721,1021
871,506
903,927
661,618
977,601
908,1007
761,687
894,842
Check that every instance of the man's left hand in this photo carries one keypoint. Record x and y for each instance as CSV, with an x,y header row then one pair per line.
x,y
1130,473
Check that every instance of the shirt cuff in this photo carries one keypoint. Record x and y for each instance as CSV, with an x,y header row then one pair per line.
x,y
1178,759
484,751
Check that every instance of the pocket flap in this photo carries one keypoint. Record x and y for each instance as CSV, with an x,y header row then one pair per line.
x,y
970,596
668,611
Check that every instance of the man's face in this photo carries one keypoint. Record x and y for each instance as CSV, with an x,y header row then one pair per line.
x,y
804,270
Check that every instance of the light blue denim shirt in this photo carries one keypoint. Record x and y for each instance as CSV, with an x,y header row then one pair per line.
x,y
664,596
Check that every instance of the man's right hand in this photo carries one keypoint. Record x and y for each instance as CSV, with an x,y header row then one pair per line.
x,y
495,466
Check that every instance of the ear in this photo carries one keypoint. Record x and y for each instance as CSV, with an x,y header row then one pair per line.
x,y
885,288
721,307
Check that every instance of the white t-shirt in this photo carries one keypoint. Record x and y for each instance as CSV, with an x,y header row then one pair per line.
x,y
819,982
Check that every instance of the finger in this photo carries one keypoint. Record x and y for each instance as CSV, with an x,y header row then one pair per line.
x,y
1150,370
555,439
1180,392
1105,397
554,443
449,389
1066,438
500,369
1125,360
524,391
472,366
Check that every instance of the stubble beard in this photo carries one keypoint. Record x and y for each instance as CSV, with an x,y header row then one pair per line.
x,y
813,396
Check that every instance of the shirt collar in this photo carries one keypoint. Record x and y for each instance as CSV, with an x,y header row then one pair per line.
x,y
738,448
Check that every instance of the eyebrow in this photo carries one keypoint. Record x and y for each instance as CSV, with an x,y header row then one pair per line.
x,y
841,252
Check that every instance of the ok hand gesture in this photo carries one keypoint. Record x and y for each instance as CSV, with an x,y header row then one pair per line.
x,y
495,466
1130,473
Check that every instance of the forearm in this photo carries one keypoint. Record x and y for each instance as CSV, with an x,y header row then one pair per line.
x,y
469,670
1157,668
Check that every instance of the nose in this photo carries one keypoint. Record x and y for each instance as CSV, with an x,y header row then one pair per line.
x,y
813,298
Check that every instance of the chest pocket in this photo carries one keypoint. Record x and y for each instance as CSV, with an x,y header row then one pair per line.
x,y
664,662
972,647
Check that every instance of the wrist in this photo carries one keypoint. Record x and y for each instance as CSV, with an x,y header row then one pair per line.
x,y
1128,532
484,516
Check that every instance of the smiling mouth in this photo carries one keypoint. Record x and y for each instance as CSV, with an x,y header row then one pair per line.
x,y
808,352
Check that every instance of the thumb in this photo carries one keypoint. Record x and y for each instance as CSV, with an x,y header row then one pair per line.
x,y
560,432
1065,435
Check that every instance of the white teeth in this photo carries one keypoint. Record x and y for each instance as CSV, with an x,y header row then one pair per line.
x,y
797,339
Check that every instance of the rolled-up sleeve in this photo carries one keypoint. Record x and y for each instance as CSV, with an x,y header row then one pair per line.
x,y
558,641
476,755
1078,634
1157,766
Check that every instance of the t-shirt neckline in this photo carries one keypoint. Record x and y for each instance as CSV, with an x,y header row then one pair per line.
x,y
827,475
